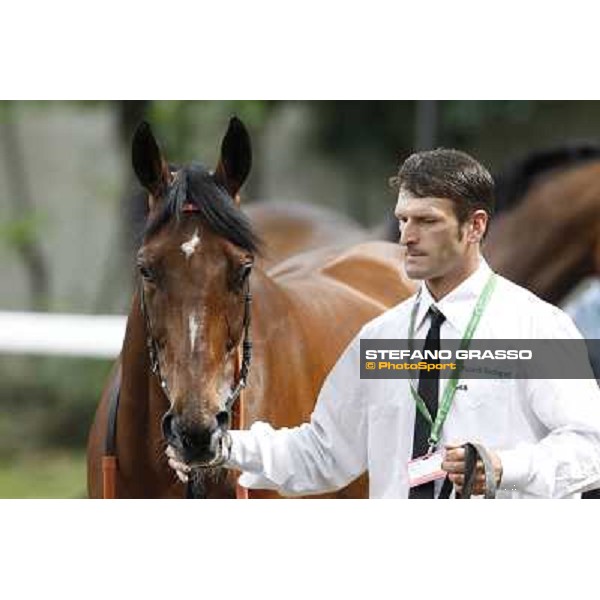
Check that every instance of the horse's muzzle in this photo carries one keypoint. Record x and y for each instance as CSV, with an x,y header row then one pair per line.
x,y
199,446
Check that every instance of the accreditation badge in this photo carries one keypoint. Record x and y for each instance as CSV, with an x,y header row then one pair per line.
x,y
425,469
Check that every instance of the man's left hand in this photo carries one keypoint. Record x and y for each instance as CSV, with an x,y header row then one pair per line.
x,y
454,465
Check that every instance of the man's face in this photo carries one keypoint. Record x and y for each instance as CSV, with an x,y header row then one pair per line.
x,y
429,232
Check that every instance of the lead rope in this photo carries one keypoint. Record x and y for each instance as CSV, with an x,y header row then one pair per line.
x,y
474,451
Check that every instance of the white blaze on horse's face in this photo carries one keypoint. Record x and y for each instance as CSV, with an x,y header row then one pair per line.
x,y
189,247
193,326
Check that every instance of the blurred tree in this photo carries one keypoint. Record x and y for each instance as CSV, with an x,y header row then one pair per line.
x,y
368,140
21,232
116,279
462,120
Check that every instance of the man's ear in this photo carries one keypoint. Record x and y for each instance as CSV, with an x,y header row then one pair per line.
x,y
150,167
236,158
478,226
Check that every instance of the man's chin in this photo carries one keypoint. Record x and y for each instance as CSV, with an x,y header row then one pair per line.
x,y
416,273
417,266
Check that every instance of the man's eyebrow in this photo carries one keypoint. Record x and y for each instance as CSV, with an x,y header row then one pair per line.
x,y
417,212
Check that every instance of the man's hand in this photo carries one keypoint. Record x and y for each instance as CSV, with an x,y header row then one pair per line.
x,y
454,465
181,469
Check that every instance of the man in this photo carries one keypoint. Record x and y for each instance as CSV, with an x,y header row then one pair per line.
x,y
543,436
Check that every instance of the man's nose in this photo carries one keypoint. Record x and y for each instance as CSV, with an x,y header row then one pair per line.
x,y
408,234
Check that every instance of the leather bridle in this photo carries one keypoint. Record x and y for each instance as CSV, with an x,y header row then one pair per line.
x,y
232,411
236,389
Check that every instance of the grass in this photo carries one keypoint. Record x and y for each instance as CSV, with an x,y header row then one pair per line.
x,y
52,474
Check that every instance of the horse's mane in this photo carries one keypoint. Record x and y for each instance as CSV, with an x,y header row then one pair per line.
x,y
194,184
515,180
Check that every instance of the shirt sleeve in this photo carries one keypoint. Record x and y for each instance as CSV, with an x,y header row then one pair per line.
x,y
320,456
567,459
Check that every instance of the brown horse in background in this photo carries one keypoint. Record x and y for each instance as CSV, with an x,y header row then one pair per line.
x,y
290,228
196,265
549,239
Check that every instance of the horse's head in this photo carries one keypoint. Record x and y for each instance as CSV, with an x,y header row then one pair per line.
x,y
194,266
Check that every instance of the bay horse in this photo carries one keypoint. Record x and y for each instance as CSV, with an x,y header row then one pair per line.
x,y
190,318
548,238
290,228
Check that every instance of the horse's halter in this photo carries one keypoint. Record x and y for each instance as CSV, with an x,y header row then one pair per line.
x,y
224,417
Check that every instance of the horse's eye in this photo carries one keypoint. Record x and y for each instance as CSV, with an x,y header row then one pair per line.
x,y
146,272
246,270
241,275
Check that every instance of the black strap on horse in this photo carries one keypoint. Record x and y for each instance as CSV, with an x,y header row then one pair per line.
x,y
110,445
235,392
151,344
109,459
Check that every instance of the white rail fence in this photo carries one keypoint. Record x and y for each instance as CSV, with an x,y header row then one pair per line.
x,y
96,336
101,336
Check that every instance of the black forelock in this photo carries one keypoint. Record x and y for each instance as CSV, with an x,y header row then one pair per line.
x,y
196,185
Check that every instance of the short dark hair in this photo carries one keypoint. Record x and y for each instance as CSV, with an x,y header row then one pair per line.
x,y
448,173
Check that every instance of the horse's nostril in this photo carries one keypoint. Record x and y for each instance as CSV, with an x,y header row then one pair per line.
x,y
167,425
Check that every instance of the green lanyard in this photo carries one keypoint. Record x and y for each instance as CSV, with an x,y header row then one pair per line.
x,y
444,408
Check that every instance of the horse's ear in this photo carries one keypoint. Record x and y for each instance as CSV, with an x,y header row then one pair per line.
x,y
149,166
236,158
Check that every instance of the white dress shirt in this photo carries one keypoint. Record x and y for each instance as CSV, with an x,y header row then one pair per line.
x,y
546,432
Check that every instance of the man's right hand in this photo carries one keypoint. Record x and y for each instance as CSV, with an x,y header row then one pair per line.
x,y
454,464
181,469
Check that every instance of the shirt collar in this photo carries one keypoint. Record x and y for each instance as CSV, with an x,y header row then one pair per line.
x,y
457,306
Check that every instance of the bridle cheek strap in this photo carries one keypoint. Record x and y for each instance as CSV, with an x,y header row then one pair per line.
x,y
242,375
237,422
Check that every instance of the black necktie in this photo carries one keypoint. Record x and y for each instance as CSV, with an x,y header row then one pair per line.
x,y
428,390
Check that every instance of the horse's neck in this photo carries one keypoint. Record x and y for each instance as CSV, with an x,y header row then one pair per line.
x,y
281,353
547,243
272,305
